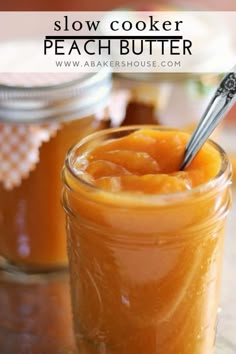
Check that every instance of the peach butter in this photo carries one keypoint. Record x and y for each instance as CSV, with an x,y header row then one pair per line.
x,y
145,241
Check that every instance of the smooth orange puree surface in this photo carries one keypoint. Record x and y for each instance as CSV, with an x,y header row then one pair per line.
x,y
148,161
144,271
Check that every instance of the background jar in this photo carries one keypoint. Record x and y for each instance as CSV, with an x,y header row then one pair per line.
x,y
174,100
150,285
41,117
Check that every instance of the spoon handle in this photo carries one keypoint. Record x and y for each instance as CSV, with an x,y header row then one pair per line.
x,y
220,103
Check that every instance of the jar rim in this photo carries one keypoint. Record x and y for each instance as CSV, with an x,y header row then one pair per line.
x,y
223,176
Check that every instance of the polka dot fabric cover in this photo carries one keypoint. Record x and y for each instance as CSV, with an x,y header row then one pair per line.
x,y
20,144
19,150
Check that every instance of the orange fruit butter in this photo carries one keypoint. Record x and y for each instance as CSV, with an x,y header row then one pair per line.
x,y
145,243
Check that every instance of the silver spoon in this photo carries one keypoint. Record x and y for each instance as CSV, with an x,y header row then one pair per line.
x,y
219,105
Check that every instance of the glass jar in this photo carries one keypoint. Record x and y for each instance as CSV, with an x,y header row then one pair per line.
x,y
41,116
145,269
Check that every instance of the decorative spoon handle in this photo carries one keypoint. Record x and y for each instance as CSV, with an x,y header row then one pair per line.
x,y
217,108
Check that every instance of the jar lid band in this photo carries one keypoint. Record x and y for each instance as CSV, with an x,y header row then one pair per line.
x,y
42,104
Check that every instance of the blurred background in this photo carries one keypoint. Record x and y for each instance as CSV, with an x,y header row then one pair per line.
x,y
103,5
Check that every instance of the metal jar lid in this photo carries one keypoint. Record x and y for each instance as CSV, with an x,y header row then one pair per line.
x,y
57,100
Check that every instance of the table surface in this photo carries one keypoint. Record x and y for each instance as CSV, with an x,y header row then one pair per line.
x,y
35,318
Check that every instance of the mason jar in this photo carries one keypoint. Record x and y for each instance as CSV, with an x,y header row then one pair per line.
x,y
41,116
145,268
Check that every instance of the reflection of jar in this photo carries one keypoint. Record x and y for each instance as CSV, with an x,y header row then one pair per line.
x,y
145,269
38,124
35,317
